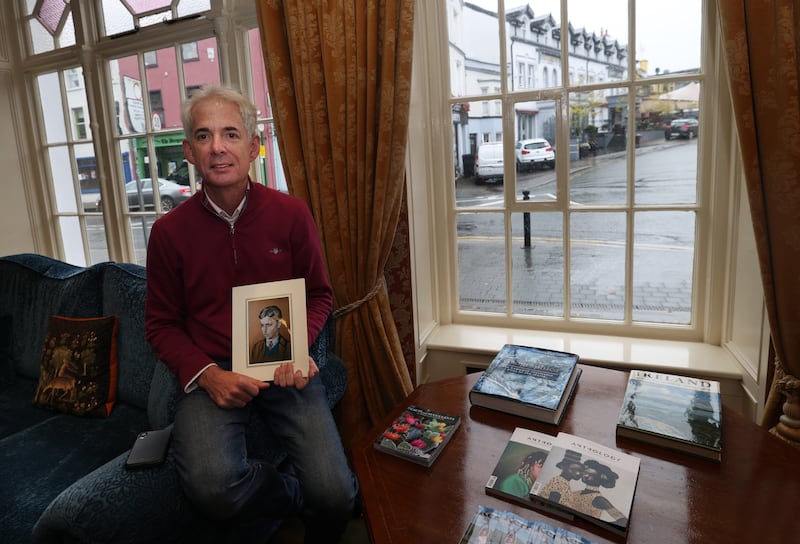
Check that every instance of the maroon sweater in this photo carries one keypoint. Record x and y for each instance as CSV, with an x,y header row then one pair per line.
x,y
194,258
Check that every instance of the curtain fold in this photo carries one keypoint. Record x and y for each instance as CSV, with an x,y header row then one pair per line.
x,y
339,75
762,41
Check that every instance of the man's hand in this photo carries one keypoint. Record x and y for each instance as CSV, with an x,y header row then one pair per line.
x,y
229,389
286,376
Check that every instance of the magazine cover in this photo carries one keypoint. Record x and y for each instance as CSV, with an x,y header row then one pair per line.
x,y
527,381
677,412
519,466
490,526
418,435
594,482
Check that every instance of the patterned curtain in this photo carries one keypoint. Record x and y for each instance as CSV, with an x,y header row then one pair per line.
x,y
339,74
762,44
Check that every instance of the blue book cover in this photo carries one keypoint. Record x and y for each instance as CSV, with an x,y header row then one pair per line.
x,y
528,381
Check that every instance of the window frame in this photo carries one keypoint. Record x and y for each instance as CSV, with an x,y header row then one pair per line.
x,y
435,222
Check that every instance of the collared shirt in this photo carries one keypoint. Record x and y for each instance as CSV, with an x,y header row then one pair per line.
x,y
231,219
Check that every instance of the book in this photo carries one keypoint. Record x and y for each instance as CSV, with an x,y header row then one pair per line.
x,y
589,480
489,525
418,435
677,412
519,466
530,382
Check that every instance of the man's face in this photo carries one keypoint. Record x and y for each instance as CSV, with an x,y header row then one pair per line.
x,y
219,146
270,326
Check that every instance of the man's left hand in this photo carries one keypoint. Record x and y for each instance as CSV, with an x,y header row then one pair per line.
x,y
287,376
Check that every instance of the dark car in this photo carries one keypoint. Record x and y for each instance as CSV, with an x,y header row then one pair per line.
x,y
141,193
681,128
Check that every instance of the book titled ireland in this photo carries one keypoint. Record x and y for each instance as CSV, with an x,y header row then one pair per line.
x,y
418,435
530,382
673,411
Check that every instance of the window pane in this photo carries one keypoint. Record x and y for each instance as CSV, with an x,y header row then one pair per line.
x,y
597,38
598,172
533,34
663,267
666,171
466,22
205,67
72,239
87,176
668,37
597,265
125,15
140,233
481,247
537,275
534,151
63,185
52,107
96,235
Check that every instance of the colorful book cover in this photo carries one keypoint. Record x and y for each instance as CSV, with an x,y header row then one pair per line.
x,y
531,382
418,435
677,412
590,480
519,466
490,526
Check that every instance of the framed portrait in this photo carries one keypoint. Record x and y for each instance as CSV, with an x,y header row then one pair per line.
x,y
269,328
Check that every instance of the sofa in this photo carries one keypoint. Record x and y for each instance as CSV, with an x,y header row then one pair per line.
x,y
63,475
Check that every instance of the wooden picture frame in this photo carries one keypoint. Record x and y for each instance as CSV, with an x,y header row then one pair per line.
x,y
283,302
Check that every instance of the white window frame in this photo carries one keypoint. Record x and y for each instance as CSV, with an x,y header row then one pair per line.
x,y
448,339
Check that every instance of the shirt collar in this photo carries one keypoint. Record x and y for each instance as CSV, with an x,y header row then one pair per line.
x,y
230,218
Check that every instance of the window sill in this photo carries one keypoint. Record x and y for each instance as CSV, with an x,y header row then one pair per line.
x,y
453,350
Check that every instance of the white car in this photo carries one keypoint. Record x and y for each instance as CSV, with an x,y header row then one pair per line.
x,y
489,163
533,153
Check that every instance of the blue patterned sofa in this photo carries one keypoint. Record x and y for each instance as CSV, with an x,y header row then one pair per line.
x,y
63,476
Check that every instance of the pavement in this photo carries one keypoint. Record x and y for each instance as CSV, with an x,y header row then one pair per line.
x,y
597,283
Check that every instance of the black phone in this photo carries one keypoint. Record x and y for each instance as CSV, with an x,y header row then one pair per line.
x,y
149,449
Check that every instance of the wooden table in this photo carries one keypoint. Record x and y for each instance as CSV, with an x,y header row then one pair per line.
x,y
753,495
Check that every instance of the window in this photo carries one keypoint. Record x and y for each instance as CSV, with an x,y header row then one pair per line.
x,y
606,236
103,193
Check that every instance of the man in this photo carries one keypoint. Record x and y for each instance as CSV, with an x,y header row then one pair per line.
x,y
274,346
236,232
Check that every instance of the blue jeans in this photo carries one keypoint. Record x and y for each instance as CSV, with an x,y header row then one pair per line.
x,y
217,475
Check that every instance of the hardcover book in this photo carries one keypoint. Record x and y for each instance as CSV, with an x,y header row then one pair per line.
x,y
490,525
418,435
676,412
530,382
589,480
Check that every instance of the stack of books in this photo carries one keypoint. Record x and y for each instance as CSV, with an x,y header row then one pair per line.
x,y
530,382
567,476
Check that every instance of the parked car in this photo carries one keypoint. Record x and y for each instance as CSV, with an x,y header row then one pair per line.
x,y
171,194
534,153
681,128
489,163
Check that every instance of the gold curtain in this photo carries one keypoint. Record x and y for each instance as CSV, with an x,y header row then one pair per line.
x,y
339,74
762,43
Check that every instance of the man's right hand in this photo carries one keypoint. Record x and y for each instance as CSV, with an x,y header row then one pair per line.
x,y
229,389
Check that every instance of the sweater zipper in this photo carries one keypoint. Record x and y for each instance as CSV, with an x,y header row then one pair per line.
x,y
233,244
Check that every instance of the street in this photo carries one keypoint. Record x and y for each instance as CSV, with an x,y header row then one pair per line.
x,y
663,243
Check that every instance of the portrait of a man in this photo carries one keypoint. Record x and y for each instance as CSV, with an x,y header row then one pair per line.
x,y
274,345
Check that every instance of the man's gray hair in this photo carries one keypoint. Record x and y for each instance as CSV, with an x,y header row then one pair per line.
x,y
216,91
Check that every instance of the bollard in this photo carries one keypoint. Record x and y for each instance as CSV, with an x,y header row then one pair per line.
x,y
526,221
